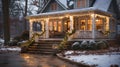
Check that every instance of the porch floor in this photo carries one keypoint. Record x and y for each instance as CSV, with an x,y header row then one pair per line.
x,y
89,39
51,39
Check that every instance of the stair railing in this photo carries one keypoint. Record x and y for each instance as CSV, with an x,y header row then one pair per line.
x,y
62,46
32,39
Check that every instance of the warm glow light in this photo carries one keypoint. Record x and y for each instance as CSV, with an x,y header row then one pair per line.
x,y
97,20
65,23
67,16
92,15
27,57
55,46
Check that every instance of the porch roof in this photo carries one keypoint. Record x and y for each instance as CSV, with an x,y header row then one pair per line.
x,y
73,12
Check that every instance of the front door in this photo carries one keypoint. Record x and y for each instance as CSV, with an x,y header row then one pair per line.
x,y
56,29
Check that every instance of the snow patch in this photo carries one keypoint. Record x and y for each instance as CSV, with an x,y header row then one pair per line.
x,y
105,60
10,49
71,3
68,52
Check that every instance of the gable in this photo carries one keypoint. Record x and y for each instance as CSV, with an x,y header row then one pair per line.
x,y
91,2
102,4
114,9
52,6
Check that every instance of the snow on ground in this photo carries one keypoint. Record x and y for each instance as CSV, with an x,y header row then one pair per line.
x,y
104,60
10,49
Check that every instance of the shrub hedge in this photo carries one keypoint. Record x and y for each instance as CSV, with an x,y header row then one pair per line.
x,y
88,45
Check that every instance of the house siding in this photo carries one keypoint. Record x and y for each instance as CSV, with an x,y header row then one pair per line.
x,y
113,29
91,2
87,4
48,8
113,9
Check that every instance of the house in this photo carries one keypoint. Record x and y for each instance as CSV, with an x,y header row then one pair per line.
x,y
91,19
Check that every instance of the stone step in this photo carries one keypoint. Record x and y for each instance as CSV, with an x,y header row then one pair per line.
x,y
30,49
38,52
43,47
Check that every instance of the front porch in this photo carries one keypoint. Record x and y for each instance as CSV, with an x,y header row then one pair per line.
x,y
88,24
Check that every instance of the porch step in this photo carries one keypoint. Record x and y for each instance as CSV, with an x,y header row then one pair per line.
x,y
43,47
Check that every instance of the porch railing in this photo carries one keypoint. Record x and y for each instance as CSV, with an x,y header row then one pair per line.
x,y
82,34
99,34
87,35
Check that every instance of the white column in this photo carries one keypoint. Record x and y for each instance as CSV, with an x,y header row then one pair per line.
x,y
47,28
71,26
93,26
71,23
31,28
42,25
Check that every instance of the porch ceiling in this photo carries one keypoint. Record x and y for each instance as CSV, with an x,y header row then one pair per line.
x,y
74,12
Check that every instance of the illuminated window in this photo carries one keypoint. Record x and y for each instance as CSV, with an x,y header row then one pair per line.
x,y
67,26
99,24
102,24
81,3
37,26
55,26
82,25
89,25
85,23
59,26
53,6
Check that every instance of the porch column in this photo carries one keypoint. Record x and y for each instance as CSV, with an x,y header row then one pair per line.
x,y
31,28
43,24
47,28
71,23
93,26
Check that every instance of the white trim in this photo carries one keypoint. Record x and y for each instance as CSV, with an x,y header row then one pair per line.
x,y
71,23
44,6
61,4
67,12
31,28
49,2
93,26
47,28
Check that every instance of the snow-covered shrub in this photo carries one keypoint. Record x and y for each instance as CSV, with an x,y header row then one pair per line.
x,y
91,42
13,43
84,42
84,45
92,45
76,46
101,45
75,43
107,45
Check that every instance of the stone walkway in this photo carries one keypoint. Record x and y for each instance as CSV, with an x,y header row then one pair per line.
x,y
15,59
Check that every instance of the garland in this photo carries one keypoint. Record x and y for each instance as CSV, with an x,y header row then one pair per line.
x,y
32,39
105,32
63,45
